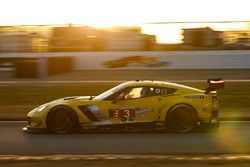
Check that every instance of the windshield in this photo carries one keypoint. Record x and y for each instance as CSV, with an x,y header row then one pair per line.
x,y
109,92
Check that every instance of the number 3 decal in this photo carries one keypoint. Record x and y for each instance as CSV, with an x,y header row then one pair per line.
x,y
126,113
116,113
122,113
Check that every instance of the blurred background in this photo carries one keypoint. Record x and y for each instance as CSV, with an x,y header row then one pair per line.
x,y
45,38
148,37
46,48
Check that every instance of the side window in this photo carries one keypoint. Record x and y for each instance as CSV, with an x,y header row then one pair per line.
x,y
134,93
120,94
171,90
131,93
163,91
138,92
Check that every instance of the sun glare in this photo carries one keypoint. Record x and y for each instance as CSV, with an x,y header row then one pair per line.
x,y
109,13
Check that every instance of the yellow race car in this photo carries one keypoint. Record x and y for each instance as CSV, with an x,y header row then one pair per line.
x,y
131,105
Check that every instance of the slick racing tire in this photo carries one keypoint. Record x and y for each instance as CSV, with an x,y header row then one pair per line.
x,y
61,120
181,118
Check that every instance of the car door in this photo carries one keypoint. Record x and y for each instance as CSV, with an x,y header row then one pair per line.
x,y
131,105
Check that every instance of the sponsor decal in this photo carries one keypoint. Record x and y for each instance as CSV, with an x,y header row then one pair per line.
x,y
94,114
206,108
197,97
96,111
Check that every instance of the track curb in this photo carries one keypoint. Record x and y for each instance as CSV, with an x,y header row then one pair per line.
x,y
227,157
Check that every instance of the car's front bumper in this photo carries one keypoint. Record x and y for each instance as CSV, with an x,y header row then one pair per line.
x,y
34,130
35,125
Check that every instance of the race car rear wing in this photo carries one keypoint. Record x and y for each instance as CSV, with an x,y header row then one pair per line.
x,y
214,84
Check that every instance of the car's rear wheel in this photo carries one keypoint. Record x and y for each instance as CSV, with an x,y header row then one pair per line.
x,y
182,118
61,120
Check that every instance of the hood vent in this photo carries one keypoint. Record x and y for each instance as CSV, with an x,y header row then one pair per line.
x,y
70,98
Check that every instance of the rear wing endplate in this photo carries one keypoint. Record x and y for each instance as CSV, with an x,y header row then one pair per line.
x,y
214,84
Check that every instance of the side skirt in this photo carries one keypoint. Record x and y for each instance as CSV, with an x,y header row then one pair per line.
x,y
128,127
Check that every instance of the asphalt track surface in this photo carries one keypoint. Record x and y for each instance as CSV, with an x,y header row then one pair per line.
x,y
231,138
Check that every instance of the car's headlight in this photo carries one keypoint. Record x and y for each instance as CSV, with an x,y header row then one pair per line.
x,y
41,108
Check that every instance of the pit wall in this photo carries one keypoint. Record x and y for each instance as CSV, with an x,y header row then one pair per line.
x,y
163,60
44,64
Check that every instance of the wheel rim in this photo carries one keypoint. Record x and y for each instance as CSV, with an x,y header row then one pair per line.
x,y
61,121
183,120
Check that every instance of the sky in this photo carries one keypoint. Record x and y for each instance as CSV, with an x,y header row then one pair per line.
x,y
122,12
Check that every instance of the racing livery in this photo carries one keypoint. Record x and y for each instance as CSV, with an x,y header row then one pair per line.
x,y
133,104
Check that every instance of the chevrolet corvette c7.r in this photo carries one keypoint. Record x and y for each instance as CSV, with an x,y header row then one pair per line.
x,y
133,104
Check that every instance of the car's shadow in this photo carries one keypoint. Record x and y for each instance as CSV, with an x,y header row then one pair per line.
x,y
136,131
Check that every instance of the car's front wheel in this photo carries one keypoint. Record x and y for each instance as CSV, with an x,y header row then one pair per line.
x,y
61,120
182,118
